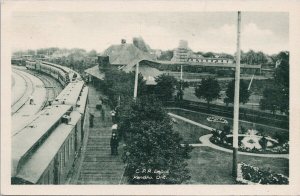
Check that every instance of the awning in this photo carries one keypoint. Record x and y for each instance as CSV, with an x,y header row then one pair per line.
x,y
94,71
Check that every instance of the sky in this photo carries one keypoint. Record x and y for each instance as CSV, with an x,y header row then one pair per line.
x,y
204,31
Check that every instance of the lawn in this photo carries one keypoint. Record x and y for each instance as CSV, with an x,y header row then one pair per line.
x,y
210,166
201,118
189,94
189,132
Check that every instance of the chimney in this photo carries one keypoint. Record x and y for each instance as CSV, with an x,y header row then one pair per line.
x,y
123,41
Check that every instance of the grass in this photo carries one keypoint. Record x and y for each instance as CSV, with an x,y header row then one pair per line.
x,y
189,132
189,94
201,118
210,166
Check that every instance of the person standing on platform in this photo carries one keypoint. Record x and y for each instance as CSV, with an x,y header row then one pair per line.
x,y
113,116
114,143
91,120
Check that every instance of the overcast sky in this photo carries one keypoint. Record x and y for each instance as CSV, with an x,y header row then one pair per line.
x,y
204,31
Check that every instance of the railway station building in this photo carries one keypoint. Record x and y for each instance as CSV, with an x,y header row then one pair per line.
x,y
124,57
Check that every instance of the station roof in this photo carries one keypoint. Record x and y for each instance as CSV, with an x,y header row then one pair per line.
x,y
94,71
29,136
125,54
149,73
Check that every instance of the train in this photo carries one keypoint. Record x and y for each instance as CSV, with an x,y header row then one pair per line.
x,y
62,74
46,149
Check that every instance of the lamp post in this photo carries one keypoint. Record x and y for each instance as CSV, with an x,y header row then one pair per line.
x,y
236,100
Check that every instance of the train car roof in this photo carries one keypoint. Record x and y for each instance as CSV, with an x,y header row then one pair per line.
x,y
70,94
30,135
81,104
67,69
34,168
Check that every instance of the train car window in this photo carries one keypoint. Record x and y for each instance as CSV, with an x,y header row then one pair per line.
x,y
61,162
70,146
48,178
67,150
64,155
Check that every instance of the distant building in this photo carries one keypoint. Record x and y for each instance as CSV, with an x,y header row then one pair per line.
x,y
210,60
184,54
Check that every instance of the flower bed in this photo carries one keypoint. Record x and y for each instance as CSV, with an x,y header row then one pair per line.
x,y
217,119
248,174
250,143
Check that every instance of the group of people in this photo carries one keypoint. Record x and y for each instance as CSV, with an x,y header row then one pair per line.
x,y
114,140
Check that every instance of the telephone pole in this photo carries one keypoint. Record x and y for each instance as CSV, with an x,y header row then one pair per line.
x,y
236,101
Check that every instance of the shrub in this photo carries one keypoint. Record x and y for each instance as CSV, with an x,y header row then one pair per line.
x,y
248,174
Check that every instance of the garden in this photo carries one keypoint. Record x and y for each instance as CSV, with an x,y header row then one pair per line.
x,y
248,174
251,141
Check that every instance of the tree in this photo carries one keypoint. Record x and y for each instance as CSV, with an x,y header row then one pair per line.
x,y
92,53
165,87
141,44
153,151
244,93
121,84
253,58
166,55
209,55
209,89
276,98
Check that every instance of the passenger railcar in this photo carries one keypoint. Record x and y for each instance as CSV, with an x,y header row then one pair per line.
x,y
60,73
45,150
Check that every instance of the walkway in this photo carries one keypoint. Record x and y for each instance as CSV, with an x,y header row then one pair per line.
x,y
96,165
206,142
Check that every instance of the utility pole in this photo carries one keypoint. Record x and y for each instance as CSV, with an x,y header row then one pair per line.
x,y
136,81
236,100
181,77
181,72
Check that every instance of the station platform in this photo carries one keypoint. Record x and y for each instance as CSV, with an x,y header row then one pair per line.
x,y
96,164
25,86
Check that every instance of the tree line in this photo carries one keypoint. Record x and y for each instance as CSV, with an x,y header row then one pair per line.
x,y
75,58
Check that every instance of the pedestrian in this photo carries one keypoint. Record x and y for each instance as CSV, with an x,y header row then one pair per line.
x,y
91,120
99,105
114,143
113,116
114,128
31,102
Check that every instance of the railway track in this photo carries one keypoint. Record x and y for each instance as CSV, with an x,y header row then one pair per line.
x,y
52,88
29,90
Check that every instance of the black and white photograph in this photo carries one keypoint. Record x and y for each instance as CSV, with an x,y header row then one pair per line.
x,y
159,97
